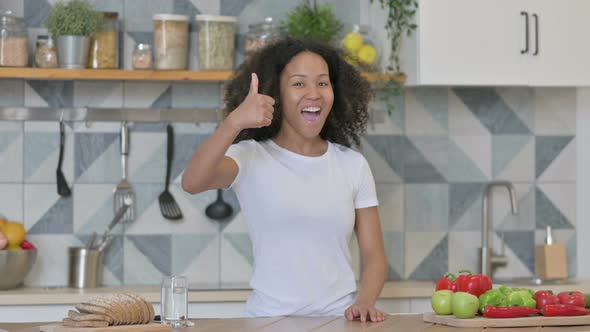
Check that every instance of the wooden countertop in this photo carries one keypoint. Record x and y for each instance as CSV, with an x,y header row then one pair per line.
x,y
64,295
397,322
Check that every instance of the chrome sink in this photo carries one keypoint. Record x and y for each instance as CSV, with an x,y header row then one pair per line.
x,y
532,281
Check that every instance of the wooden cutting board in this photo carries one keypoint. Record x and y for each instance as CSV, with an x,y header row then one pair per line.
x,y
451,320
151,327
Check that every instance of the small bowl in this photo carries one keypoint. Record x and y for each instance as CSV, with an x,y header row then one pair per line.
x,y
15,265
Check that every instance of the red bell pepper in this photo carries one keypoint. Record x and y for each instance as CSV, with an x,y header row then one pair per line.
x,y
508,312
544,297
575,298
564,310
447,282
473,284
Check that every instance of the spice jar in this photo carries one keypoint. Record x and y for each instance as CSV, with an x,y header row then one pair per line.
x,y
104,44
13,40
46,53
170,41
142,56
216,41
260,35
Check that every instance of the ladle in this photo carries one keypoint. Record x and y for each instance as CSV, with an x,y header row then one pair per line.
x,y
219,209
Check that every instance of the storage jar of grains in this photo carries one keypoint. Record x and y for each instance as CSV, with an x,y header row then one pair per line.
x,y
170,41
104,44
13,40
216,41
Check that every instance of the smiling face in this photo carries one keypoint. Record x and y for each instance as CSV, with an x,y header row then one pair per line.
x,y
306,96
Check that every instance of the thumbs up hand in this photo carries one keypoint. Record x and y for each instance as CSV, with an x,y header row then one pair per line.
x,y
256,111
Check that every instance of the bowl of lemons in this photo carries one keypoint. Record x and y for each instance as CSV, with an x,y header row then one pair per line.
x,y
17,255
359,49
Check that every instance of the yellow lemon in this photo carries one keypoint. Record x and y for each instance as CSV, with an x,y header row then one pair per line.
x,y
353,41
13,247
367,54
14,232
351,60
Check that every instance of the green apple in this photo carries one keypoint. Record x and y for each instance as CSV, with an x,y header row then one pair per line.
x,y
464,305
441,302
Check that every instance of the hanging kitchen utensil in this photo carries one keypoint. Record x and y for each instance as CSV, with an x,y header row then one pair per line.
x,y
219,209
62,184
124,190
91,240
168,206
107,237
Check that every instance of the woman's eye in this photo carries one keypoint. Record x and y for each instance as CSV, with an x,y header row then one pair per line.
x,y
324,83
297,84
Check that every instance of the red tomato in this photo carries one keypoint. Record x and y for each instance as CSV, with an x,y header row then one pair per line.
x,y
544,297
574,298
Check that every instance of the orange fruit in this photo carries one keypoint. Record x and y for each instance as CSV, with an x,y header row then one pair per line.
x,y
14,232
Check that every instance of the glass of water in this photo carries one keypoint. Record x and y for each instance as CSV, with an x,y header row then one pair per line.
x,y
174,304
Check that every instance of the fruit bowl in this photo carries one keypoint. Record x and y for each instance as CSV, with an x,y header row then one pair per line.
x,y
15,265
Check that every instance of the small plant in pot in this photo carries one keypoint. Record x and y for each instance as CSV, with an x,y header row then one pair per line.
x,y
73,23
312,21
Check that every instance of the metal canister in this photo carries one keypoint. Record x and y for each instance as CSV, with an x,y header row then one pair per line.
x,y
85,267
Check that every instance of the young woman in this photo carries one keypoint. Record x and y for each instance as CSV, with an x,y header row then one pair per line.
x,y
294,108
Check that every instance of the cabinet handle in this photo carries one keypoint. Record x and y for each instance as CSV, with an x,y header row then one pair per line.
x,y
526,32
536,17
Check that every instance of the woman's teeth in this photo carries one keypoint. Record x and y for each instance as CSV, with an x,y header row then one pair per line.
x,y
311,114
311,109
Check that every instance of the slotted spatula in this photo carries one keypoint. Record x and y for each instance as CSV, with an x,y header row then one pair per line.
x,y
168,206
124,190
62,184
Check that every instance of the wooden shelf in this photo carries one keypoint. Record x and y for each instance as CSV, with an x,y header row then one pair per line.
x,y
142,75
114,74
374,77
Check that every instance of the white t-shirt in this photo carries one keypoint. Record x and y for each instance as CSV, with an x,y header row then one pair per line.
x,y
300,213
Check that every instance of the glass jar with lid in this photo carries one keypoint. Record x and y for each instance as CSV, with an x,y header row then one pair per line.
x,y
142,56
45,52
360,50
103,51
13,40
216,41
261,34
171,41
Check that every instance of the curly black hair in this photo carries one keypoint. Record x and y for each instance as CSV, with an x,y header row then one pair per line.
x,y
348,118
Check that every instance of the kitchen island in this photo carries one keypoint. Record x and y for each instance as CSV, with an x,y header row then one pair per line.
x,y
395,322
29,304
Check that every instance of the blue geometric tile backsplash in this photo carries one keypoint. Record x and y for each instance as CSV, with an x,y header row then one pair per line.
x,y
431,159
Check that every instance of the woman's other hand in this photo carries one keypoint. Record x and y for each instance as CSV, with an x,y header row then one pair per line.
x,y
255,111
364,313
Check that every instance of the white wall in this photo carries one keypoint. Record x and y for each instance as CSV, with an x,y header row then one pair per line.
x,y
583,175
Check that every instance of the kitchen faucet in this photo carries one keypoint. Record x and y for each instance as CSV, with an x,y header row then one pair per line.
x,y
489,261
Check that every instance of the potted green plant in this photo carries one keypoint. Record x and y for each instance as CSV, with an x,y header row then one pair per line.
x,y
73,23
400,21
312,21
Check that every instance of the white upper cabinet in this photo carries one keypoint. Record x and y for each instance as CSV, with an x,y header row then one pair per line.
x,y
499,42
563,32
